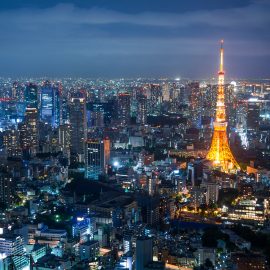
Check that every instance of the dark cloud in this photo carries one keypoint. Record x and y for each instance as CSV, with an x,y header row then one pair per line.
x,y
100,40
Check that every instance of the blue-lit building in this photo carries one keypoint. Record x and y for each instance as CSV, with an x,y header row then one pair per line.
x,y
31,95
100,113
84,227
97,157
50,104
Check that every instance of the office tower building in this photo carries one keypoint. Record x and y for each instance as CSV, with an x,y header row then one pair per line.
x,y
151,184
65,110
14,90
96,114
209,93
197,196
124,109
155,98
6,196
212,190
97,157
241,123
11,142
144,252
31,95
64,139
220,153
97,119
252,121
194,173
177,96
84,228
230,104
165,91
195,103
17,91
12,251
141,109
78,124
50,104
89,250
149,206
100,113
29,131
107,151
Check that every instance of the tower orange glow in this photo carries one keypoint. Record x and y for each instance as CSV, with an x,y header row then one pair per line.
x,y
220,153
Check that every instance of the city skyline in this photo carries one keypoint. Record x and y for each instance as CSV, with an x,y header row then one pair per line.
x,y
103,39
134,135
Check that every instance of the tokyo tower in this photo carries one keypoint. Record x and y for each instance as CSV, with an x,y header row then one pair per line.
x,y
220,153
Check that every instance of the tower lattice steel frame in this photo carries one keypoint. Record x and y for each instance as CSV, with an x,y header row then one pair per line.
x,y
220,153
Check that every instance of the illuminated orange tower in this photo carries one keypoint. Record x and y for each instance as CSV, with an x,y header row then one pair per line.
x,y
220,153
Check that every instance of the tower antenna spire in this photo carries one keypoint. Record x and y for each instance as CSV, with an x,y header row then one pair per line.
x,y
221,56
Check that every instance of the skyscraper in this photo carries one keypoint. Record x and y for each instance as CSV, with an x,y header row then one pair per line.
x,y
220,153
78,124
12,245
253,116
154,98
195,103
5,187
31,95
141,109
11,142
97,157
144,252
64,139
50,104
124,109
29,131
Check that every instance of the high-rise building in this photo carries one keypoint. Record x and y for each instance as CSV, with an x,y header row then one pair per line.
x,y
149,206
97,157
124,109
29,131
12,251
107,151
195,103
144,252
50,104
165,92
78,124
64,139
154,98
195,173
85,228
141,109
100,113
11,142
252,121
89,250
31,95
212,190
6,196
220,153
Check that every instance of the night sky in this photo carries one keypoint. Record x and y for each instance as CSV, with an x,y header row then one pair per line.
x,y
128,38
